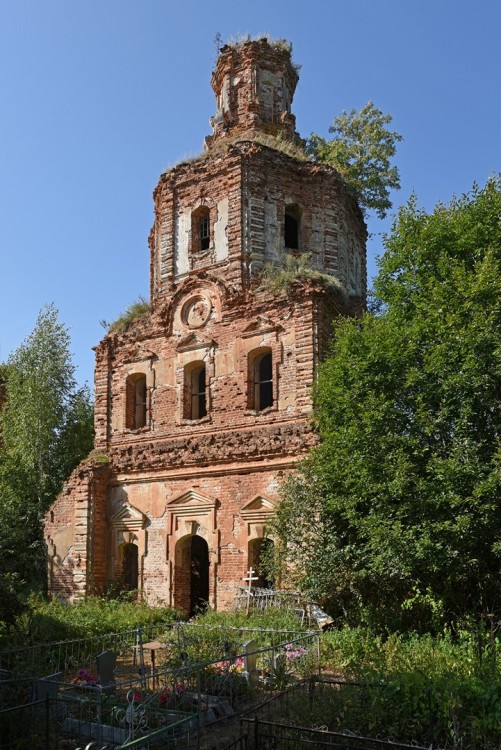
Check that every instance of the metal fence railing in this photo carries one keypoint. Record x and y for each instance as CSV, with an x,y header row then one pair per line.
x,y
191,641
165,680
61,721
262,735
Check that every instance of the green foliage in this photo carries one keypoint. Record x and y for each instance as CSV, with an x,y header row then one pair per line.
x,y
361,151
394,520
46,422
135,311
279,277
47,427
417,687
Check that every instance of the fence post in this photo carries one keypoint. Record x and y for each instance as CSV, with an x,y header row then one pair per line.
x,y
256,733
141,656
311,689
199,701
47,721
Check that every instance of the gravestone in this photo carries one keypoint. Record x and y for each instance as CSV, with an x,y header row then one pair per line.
x,y
250,659
105,668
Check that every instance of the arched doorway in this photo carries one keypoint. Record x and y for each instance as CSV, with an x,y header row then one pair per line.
x,y
191,575
130,567
259,549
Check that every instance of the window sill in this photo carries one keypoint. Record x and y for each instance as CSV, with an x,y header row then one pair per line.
x,y
138,431
202,420
257,412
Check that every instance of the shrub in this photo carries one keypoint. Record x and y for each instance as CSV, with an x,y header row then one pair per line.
x,y
421,687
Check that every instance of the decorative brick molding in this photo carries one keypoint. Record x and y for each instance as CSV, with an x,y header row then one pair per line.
x,y
127,526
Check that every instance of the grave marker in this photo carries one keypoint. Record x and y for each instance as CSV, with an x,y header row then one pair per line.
x,y
105,668
250,578
250,659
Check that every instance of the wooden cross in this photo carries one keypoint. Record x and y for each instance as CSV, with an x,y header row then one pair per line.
x,y
250,578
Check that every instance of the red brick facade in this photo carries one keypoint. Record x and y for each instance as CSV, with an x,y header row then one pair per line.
x,y
203,405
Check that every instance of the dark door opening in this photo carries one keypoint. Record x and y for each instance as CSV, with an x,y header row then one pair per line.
x,y
130,567
199,575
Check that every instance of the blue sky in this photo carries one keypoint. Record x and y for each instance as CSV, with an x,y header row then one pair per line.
x,y
98,97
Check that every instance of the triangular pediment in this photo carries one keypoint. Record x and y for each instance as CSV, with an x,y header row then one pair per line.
x,y
191,499
139,354
195,341
128,516
256,508
261,324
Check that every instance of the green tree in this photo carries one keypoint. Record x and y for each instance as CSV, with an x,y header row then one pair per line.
x,y
361,151
394,519
45,428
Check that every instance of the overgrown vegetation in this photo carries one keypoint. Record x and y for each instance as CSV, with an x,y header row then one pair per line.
x,y
46,621
424,688
291,148
290,269
421,687
394,519
270,619
135,311
282,45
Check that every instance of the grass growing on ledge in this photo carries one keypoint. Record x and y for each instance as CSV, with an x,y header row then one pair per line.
x,y
280,277
136,310
281,144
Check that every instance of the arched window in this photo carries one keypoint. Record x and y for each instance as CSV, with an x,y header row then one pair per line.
x,y
291,227
195,405
261,379
200,229
135,409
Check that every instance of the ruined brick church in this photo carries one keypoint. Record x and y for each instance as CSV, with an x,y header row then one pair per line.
x,y
203,405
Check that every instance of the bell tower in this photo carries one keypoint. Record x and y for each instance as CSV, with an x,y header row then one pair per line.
x,y
203,405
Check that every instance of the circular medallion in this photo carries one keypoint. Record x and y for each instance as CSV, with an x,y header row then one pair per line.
x,y
196,311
